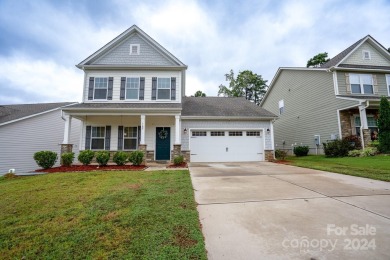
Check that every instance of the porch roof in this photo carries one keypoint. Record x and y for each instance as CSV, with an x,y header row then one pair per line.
x,y
120,106
362,97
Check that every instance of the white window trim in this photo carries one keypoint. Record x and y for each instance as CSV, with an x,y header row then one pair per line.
x,y
364,54
170,89
139,85
131,49
361,84
104,138
388,84
136,139
94,88
281,105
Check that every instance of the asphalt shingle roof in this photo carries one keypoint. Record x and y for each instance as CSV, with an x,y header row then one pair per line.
x,y
14,112
222,106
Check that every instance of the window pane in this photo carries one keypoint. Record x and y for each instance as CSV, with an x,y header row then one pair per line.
x,y
132,83
217,133
253,133
355,88
354,79
130,132
97,143
357,121
131,93
100,94
199,133
164,83
98,131
368,89
130,144
101,83
235,133
163,94
371,121
366,79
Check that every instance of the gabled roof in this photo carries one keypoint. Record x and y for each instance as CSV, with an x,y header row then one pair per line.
x,y
237,107
123,36
339,58
12,113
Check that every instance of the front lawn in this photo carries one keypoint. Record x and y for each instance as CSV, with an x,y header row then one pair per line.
x,y
100,215
374,167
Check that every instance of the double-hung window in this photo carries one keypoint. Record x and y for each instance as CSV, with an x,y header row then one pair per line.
x,y
130,138
97,137
164,88
132,88
101,87
361,84
371,124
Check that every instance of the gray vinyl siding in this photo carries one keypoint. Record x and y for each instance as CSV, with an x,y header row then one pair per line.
x,y
221,124
381,80
310,108
20,140
120,55
377,59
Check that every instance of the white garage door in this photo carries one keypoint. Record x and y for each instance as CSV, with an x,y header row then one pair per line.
x,y
226,145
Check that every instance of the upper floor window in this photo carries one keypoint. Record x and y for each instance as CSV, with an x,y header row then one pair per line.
x,y
164,88
97,137
388,84
132,88
100,90
281,106
366,55
361,84
134,49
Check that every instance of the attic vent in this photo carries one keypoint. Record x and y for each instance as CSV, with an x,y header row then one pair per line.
x,y
134,49
366,55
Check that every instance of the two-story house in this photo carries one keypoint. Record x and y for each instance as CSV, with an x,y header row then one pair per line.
x,y
134,99
336,100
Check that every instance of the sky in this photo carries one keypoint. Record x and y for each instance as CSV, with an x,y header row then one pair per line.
x,y
42,41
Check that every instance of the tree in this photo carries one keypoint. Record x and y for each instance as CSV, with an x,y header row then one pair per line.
x,y
247,84
318,60
199,93
384,126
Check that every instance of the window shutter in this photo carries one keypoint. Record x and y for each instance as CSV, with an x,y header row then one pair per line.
x,y
88,137
173,88
120,137
141,88
154,88
90,88
123,86
108,138
139,136
375,84
110,86
347,83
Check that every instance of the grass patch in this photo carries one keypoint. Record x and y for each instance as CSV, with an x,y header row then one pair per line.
x,y
100,215
373,167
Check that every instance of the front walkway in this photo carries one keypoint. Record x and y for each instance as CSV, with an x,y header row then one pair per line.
x,y
270,211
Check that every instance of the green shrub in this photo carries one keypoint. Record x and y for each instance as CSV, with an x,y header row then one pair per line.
x,y
280,154
45,159
178,160
301,150
374,144
86,156
67,159
102,157
354,153
384,125
136,157
369,151
120,158
337,148
354,141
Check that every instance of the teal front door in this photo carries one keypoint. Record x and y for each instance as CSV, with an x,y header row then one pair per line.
x,y
163,143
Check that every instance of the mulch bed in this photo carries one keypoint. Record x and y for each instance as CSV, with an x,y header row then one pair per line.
x,y
88,168
182,165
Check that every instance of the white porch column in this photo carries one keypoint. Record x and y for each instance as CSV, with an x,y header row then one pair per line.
x,y
272,135
143,126
68,125
177,130
363,117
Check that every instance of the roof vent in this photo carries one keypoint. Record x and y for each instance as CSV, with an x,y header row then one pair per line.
x,y
366,55
134,49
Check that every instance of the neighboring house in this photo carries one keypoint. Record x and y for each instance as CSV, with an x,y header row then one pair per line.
x,y
28,128
336,100
134,99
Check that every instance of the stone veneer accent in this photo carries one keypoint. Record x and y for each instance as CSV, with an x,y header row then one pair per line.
x,y
65,148
149,156
186,154
176,151
345,121
142,148
269,155
366,137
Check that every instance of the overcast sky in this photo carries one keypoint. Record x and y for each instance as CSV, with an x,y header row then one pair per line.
x,y
41,41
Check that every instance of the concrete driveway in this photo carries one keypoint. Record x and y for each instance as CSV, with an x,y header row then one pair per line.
x,y
271,211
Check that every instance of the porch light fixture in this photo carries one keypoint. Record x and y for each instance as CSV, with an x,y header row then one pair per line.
x,y
268,131
185,131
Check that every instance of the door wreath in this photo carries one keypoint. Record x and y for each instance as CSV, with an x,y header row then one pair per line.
x,y
163,134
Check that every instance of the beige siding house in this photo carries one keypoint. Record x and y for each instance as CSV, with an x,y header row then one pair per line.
x,y
336,100
134,99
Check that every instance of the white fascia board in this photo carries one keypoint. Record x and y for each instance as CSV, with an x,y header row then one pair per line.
x,y
351,98
352,51
134,67
358,69
38,114
227,118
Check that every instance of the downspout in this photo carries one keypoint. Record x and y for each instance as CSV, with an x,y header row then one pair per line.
x,y
361,127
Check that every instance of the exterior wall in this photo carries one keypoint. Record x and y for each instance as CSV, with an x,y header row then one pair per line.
x,y
117,74
20,140
120,55
380,77
377,59
222,124
310,108
151,122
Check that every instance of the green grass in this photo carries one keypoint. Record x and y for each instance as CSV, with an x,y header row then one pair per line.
x,y
100,215
374,167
